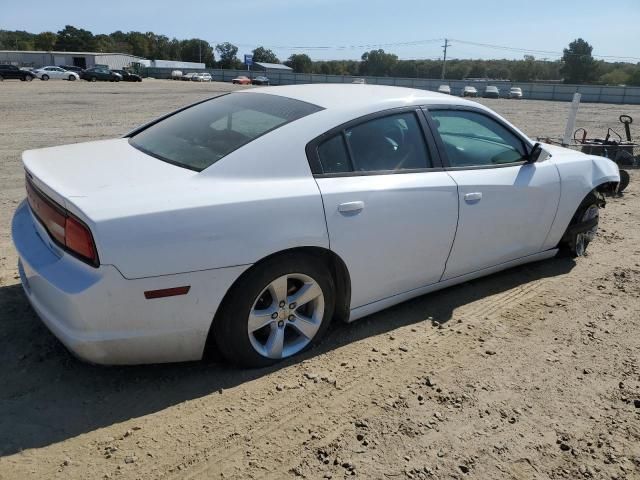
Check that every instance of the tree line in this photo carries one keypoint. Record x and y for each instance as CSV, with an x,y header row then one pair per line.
x,y
576,66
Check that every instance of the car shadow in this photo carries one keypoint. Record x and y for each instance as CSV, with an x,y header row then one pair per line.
x,y
48,395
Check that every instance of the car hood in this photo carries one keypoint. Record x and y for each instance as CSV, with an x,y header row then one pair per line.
x,y
83,175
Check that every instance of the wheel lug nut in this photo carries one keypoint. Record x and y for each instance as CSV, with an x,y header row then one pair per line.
x,y
282,304
280,324
274,315
292,318
292,306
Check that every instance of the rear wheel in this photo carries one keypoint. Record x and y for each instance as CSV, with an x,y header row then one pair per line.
x,y
1,78
28,78
93,79
72,78
276,310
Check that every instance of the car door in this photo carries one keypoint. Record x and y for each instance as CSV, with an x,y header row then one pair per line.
x,y
507,205
391,210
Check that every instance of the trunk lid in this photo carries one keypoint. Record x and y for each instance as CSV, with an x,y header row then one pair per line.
x,y
78,175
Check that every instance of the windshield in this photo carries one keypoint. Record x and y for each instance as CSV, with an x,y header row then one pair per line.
x,y
200,135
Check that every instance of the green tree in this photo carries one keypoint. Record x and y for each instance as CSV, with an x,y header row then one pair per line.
x,y
617,76
262,54
72,39
300,62
45,41
227,53
197,50
378,63
579,65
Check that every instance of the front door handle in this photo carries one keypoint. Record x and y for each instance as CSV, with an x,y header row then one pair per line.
x,y
473,197
351,207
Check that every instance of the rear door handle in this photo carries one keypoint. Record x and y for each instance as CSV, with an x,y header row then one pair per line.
x,y
351,207
473,197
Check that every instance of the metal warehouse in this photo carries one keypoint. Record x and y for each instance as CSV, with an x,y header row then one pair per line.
x,y
28,58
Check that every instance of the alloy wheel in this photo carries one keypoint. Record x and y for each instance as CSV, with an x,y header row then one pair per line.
x,y
286,316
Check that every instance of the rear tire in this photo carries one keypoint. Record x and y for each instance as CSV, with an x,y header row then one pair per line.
x,y
28,78
575,244
93,79
264,315
72,78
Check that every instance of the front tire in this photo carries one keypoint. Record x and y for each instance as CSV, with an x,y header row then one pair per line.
x,y
44,77
72,78
575,244
279,308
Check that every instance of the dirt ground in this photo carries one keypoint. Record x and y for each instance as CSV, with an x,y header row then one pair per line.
x,y
532,373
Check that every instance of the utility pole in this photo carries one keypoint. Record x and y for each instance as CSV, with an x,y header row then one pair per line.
x,y
200,51
444,60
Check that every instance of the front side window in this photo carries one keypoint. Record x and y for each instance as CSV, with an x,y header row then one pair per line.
x,y
472,139
200,135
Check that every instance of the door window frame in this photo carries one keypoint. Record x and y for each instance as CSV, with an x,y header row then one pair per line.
x,y
429,141
427,109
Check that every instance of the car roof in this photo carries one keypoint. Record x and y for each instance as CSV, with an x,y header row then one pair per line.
x,y
356,97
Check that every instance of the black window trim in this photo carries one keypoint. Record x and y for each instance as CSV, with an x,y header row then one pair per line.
x,y
426,109
316,166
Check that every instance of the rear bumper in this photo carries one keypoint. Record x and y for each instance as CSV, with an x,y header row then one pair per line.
x,y
104,318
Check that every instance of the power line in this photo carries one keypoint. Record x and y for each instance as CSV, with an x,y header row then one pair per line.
x,y
530,51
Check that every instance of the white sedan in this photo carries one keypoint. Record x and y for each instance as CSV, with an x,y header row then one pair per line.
x,y
55,73
249,221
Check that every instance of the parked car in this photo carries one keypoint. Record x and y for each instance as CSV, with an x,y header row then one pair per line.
x,y
180,236
444,89
188,76
73,68
469,91
359,81
100,74
241,80
128,76
55,73
491,92
201,77
260,80
515,92
11,72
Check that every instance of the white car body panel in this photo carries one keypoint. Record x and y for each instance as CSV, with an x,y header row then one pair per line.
x,y
158,226
391,245
510,220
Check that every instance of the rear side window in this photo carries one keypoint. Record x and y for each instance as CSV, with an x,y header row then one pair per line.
x,y
333,155
385,144
200,135
389,143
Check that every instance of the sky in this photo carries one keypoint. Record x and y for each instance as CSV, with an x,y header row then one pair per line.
x,y
333,29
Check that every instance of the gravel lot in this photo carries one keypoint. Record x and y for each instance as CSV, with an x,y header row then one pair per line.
x,y
532,373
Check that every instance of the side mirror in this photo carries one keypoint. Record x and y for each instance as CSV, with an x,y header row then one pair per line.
x,y
535,154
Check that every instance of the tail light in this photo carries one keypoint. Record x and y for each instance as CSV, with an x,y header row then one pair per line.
x,y
69,232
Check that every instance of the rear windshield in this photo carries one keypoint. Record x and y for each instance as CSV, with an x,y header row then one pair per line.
x,y
200,135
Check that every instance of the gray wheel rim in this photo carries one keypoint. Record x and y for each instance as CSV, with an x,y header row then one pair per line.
x,y
286,316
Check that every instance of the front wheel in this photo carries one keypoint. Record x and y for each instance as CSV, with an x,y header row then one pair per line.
x,y
583,227
72,78
93,79
275,311
44,77
28,78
